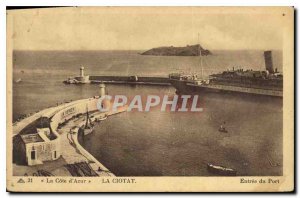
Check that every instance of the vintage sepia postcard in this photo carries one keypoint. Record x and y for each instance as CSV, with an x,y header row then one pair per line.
x,y
150,99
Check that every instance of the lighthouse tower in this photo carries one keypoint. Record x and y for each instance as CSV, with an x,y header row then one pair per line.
x,y
101,89
105,103
82,78
81,71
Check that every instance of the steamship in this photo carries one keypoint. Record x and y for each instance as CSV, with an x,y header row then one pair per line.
x,y
239,81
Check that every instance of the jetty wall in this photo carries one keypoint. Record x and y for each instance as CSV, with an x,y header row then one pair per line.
x,y
60,115
67,113
151,80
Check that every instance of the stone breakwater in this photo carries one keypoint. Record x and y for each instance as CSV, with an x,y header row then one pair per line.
x,y
62,119
145,80
138,80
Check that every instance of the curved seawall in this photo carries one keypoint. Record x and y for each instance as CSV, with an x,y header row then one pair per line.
x,y
63,141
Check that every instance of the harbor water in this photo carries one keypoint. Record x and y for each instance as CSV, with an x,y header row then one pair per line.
x,y
159,143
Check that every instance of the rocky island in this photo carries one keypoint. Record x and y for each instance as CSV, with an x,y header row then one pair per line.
x,y
189,50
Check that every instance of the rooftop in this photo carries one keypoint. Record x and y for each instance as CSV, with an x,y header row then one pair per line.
x,y
31,138
42,122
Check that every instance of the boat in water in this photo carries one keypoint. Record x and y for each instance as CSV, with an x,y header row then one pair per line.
x,y
221,170
71,81
222,128
239,81
102,118
18,80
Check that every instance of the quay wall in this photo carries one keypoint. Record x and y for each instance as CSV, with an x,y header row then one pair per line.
x,y
110,78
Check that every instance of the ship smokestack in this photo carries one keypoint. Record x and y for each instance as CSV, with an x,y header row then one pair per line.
x,y
268,61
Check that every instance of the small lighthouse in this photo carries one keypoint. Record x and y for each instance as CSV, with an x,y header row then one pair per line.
x,y
104,103
101,89
82,79
81,71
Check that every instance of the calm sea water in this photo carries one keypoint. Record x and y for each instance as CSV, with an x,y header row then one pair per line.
x,y
160,143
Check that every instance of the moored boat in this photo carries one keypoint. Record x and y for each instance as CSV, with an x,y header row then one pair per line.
x,y
102,118
221,170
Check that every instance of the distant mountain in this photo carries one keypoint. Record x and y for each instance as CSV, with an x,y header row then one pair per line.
x,y
189,50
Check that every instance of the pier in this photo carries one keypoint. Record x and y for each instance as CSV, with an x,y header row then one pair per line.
x,y
111,79
142,80
56,144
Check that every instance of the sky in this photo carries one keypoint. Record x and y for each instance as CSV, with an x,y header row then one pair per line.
x,y
132,28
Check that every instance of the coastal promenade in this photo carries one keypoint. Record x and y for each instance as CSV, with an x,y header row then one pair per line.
x,y
70,150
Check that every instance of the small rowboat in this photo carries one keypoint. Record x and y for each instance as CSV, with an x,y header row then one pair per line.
x,y
102,118
18,80
223,130
220,170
